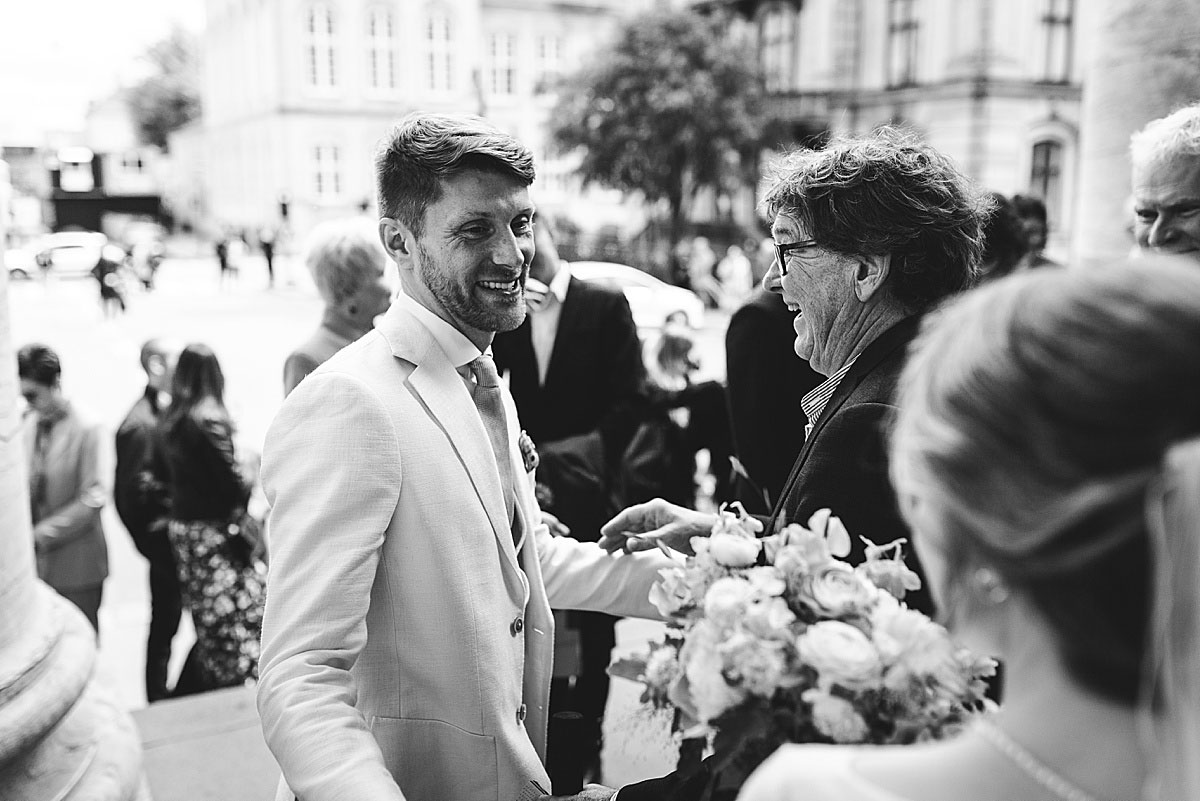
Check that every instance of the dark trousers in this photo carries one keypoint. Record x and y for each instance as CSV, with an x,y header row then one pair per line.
x,y
166,607
88,601
587,692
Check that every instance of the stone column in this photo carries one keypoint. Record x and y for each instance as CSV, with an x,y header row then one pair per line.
x,y
1144,63
61,736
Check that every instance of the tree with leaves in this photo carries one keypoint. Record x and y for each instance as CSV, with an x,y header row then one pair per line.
x,y
674,106
169,97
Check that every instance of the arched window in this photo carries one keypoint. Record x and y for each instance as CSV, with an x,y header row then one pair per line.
x,y
322,67
1046,177
381,50
439,52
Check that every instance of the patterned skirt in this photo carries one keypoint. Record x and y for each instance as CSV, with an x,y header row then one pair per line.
x,y
225,590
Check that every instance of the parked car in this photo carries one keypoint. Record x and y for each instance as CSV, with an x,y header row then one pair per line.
x,y
70,252
650,299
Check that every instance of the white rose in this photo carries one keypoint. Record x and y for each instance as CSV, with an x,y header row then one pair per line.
x,y
731,550
726,601
840,653
837,590
836,718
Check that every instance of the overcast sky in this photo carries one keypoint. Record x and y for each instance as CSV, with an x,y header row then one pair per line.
x,y
58,55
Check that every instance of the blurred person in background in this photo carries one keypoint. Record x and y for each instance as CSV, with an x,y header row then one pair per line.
x,y
736,276
575,372
216,548
1032,213
348,265
1166,183
143,505
765,383
1060,528
66,493
266,243
107,273
1005,242
701,262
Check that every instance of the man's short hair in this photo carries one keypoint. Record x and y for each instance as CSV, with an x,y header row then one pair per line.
x,y
888,193
343,255
1177,134
422,149
39,363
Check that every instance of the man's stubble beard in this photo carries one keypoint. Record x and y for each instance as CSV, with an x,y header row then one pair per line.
x,y
456,300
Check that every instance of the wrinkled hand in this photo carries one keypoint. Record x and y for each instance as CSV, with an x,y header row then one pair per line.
x,y
655,524
590,792
557,527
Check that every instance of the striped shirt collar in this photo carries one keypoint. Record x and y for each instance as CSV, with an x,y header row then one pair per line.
x,y
814,402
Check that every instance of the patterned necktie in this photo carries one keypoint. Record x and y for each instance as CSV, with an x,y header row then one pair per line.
x,y
488,401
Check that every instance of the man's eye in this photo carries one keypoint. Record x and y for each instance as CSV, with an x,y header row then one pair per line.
x,y
522,226
1146,215
1189,212
476,231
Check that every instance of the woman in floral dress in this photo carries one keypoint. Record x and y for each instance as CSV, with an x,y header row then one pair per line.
x,y
222,578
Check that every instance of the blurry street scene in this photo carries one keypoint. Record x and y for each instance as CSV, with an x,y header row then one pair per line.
x,y
165,168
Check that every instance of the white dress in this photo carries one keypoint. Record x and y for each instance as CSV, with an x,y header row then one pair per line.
x,y
813,773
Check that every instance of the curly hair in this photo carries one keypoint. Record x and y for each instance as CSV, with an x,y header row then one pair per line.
x,y
888,193
422,149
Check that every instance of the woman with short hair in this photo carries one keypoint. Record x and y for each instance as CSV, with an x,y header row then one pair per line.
x,y
347,263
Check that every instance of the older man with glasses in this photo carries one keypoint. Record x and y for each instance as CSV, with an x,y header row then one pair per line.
x,y
870,233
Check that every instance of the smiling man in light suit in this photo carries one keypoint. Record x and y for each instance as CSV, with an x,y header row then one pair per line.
x,y
407,639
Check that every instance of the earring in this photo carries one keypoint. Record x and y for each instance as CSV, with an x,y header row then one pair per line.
x,y
990,585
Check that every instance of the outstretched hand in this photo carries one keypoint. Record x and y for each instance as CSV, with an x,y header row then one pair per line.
x,y
590,792
655,524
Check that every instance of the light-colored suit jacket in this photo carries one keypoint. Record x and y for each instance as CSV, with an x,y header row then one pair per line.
x,y
71,551
407,645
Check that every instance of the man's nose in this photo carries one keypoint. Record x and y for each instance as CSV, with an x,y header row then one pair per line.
x,y
1162,232
512,250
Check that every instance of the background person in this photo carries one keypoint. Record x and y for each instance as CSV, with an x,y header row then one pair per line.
x,y
347,265
143,504
66,493
220,575
1059,529
1165,156
575,372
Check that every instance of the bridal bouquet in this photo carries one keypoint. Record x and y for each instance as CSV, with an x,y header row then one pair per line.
x,y
776,639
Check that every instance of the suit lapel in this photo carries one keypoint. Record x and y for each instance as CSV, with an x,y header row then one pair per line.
x,y
443,394
883,346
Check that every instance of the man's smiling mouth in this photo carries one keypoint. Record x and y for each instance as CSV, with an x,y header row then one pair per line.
x,y
502,286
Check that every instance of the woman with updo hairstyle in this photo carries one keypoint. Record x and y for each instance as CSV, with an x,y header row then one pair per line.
x,y
1046,455
220,574
347,264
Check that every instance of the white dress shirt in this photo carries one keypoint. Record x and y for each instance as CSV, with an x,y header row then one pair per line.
x,y
543,321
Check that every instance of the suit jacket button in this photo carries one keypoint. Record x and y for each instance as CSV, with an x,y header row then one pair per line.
x,y
521,714
518,625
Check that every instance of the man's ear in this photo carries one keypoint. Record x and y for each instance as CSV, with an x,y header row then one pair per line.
x,y
870,274
397,240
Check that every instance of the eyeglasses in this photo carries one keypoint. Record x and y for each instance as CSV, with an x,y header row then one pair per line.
x,y
781,252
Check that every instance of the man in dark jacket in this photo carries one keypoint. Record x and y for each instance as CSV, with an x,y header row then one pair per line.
x,y
870,233
142,505
576,374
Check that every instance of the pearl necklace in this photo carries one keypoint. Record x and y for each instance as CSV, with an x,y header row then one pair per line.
x,y
1029,764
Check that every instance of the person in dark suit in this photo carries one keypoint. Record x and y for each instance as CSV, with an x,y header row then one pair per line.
x,y
143,505
859,261
765,382
576,373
